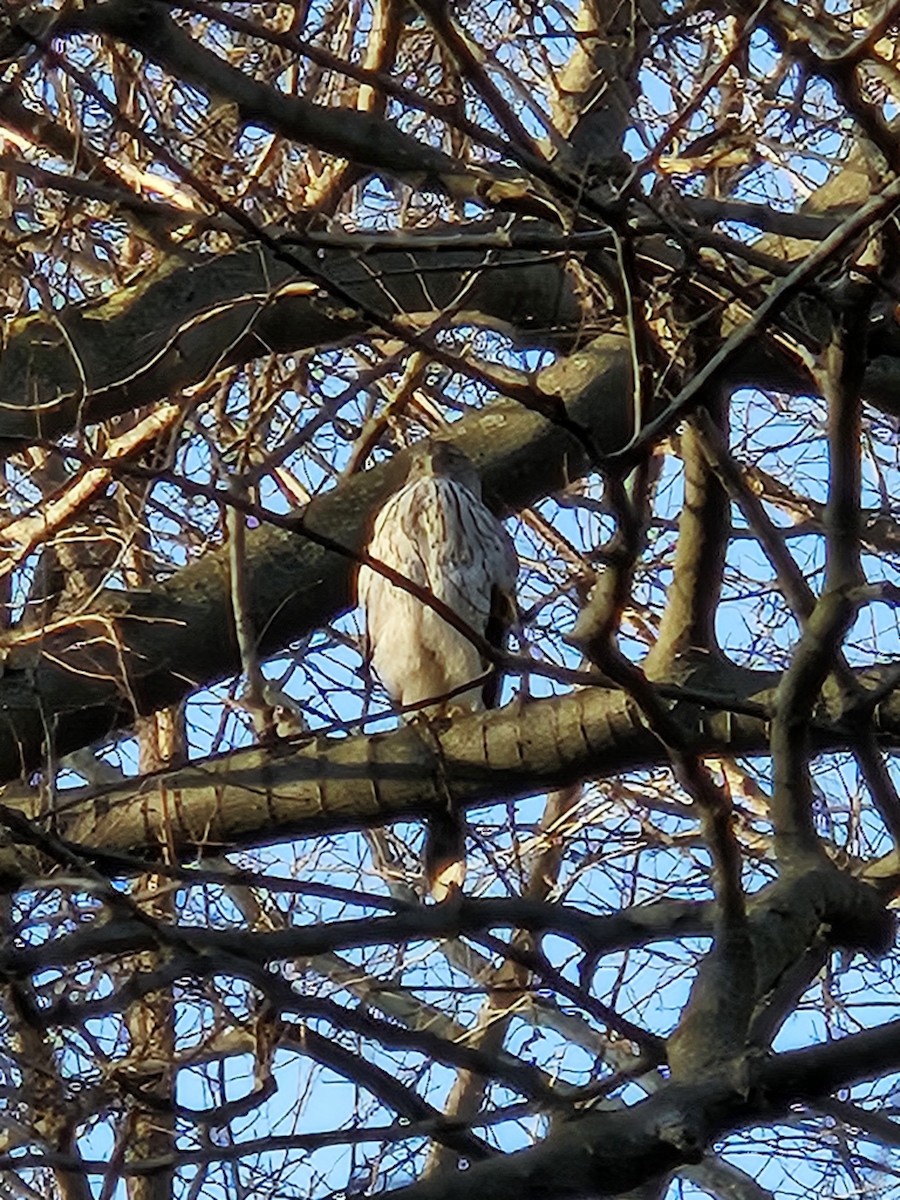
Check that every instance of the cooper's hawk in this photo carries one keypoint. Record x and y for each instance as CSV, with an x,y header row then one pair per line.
x,y
437,532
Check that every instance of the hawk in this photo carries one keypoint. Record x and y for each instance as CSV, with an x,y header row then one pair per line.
x,y
438,533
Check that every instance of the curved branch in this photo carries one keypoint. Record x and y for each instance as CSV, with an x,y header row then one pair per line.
x,y
180,323
330,784
608,1153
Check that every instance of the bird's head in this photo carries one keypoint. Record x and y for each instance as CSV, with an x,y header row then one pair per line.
x,y
438,457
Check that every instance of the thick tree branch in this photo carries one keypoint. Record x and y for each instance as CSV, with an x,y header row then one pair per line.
x,y
606,1154
819,648
264,794
181,323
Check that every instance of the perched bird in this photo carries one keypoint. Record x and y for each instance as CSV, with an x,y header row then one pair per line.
x,y
438,533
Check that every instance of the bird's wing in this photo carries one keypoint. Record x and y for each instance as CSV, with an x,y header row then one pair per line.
x,y
503,565
501,619
397,542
